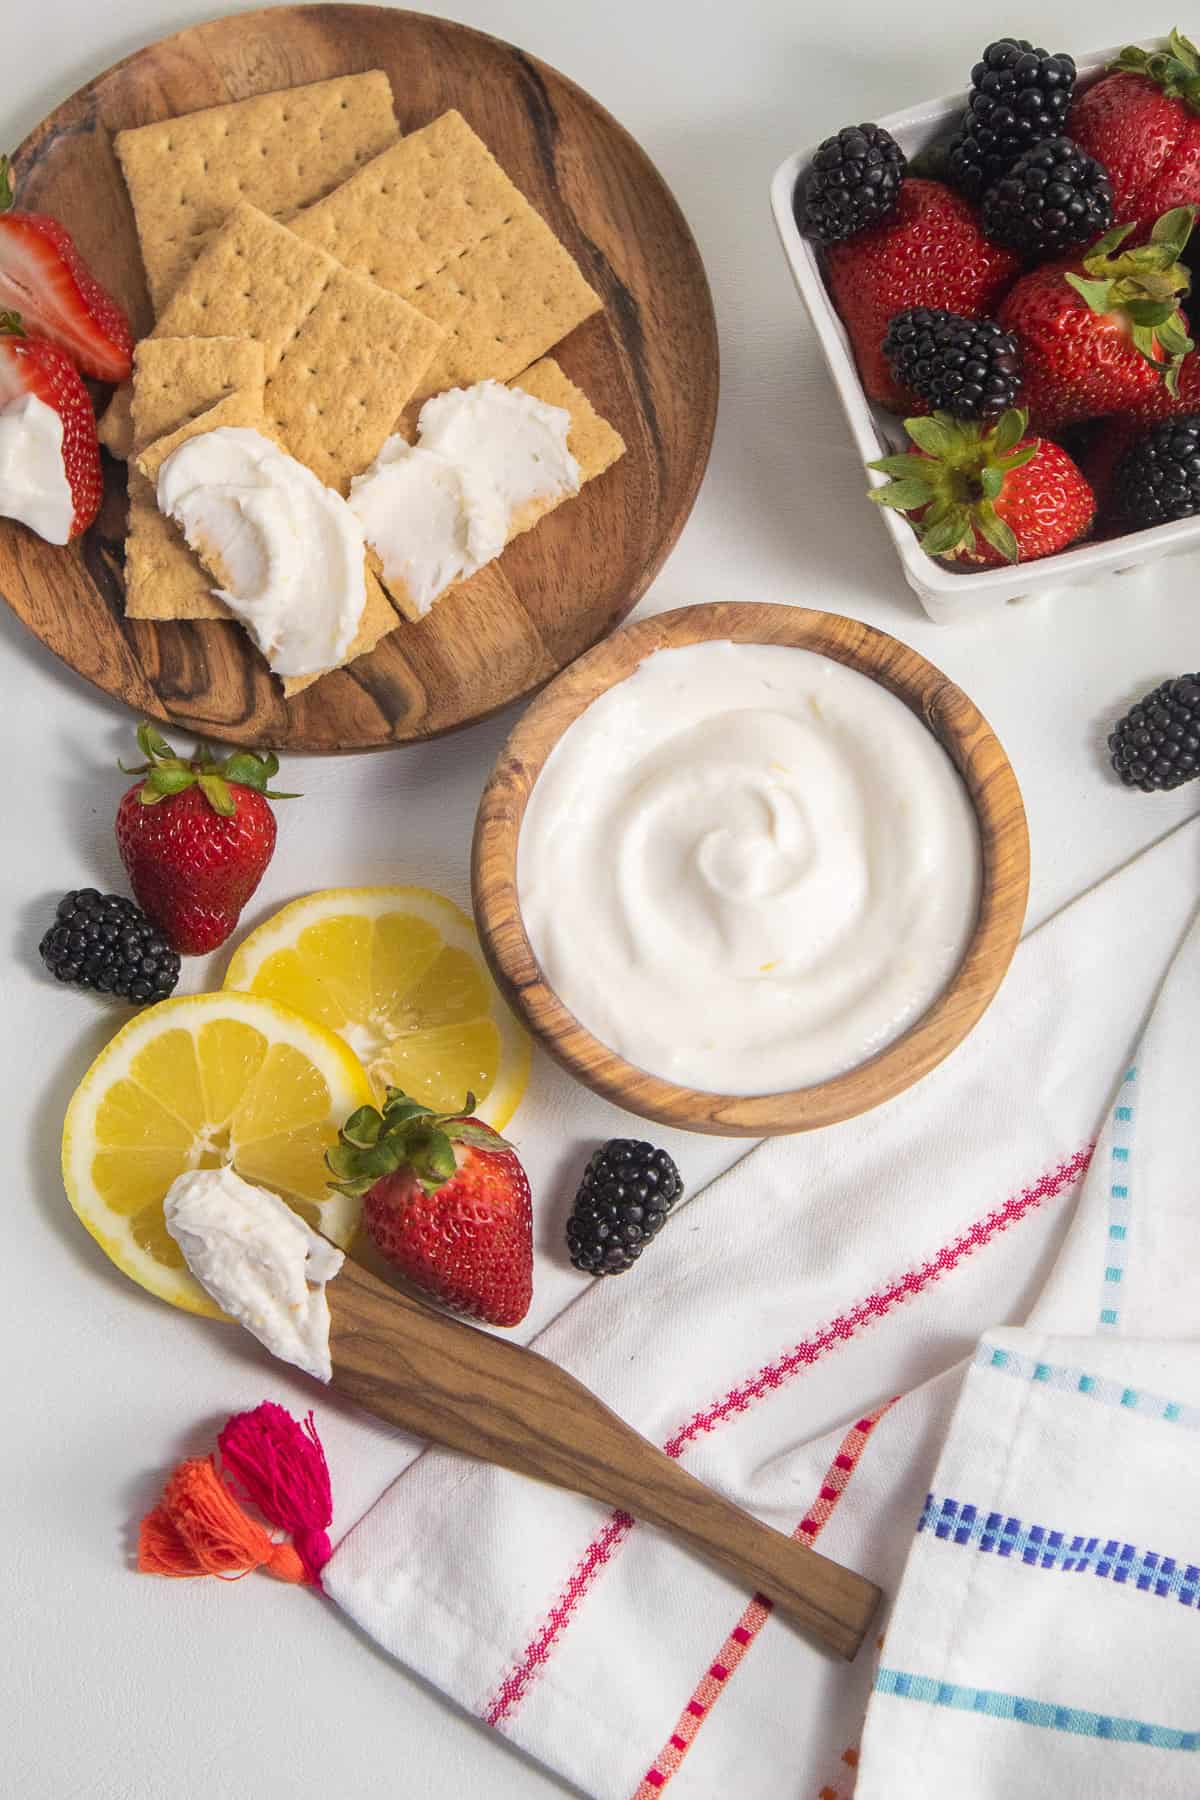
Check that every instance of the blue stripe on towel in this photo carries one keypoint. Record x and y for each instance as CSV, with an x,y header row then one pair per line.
x,y
1025,1711
1038,1547
1107,1390
1118,1203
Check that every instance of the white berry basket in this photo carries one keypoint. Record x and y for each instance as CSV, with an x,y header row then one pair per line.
x,y
946,595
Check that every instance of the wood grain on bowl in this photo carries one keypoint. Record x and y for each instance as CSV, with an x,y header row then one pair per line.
x,y
648,363
954,720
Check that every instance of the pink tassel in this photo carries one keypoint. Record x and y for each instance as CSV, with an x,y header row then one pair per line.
x,y
279,1466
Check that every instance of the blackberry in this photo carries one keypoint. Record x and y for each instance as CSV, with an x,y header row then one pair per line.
x,y
1157,744
967,367
104,941
626,1193
852,181
1018,96
1158,479
1054,197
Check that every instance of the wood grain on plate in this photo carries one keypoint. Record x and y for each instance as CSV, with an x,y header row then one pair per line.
x,y
954,720
648,363
491,1398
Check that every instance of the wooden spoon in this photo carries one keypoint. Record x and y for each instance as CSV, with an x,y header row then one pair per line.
x,y
496,1400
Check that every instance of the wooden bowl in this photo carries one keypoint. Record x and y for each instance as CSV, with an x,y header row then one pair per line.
x,y
954,720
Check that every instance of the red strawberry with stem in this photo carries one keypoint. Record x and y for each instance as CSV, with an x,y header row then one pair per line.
x,y
1104,333
1142,122
445,1201
929,251
33,367
986,495
195,838
44,276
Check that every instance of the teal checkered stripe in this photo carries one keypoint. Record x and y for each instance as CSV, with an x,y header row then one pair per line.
x,y
964,1523
1023,1710
1106,1390
1119,1203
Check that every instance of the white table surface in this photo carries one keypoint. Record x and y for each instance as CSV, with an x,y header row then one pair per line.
x,y
114,1687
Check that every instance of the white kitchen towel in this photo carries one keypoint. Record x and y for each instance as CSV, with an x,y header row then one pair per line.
x,y
762,1341
1044,1638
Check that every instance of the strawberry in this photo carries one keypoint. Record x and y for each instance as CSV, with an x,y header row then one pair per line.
x,y
1161,401
445,1201
43,274
195,838
34,366
1104,333
986,496
929,251
1142,121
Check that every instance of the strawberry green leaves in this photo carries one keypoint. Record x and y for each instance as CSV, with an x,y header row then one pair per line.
x,y
405,1135
1144,285
1176,69
167,774
8,198
954,478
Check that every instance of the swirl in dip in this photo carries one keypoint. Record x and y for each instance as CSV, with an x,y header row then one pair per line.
x,y
747,868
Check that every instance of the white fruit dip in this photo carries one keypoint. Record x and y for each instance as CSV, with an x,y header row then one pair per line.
x,y
259,1261
33,481
747,868
288,548
437,510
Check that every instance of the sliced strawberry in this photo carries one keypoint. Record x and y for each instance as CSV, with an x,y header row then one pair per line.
x,y
32,365
43,276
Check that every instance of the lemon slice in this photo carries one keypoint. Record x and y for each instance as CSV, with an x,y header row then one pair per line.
x,y
193,1084
398,973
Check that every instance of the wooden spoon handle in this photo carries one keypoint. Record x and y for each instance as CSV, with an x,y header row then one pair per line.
x,y
498,1401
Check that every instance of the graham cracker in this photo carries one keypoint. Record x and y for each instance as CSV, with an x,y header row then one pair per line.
x,y
435,219
343,356
163,579
176,379
592,441
280,151
115,429
378,617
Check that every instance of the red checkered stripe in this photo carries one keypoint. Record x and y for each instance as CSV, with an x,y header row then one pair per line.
x,y
513,1686
712,1684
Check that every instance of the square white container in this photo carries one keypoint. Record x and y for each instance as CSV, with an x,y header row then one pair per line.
x,y
945,594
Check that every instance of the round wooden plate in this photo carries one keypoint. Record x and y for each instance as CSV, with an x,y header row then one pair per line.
x,y
953,719
648,363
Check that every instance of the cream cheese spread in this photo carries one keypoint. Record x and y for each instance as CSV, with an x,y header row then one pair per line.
x,y
259,1261
33,478
748,868
289,550
431,521
438,510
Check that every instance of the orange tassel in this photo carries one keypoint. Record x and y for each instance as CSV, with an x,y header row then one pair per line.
x,y
198,1528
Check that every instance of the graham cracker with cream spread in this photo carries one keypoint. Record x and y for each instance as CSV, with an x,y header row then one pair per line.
x,y
378,617
343,356
173,380
592,441
280,151
435,219
163,579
